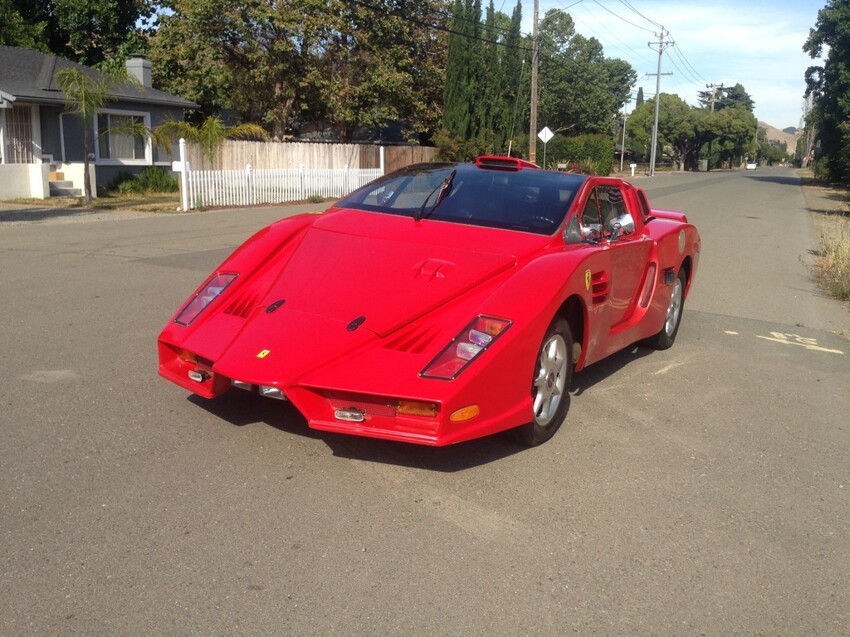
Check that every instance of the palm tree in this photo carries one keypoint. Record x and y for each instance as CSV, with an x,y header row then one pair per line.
x,y
85,94
209,135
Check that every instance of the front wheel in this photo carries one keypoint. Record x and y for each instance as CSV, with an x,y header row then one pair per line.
x,y
550,385
665,338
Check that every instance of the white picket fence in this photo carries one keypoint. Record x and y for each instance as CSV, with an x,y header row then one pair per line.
x,y
206,188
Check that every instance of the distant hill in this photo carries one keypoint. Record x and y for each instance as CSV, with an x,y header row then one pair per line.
x,y
774,133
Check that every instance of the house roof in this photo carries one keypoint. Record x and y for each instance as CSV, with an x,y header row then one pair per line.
x,y
30,76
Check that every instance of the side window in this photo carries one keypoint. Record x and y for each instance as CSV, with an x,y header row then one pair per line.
x,y
590,214
611,204
644,205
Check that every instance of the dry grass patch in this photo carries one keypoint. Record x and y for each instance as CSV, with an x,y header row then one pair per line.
x,y
832,263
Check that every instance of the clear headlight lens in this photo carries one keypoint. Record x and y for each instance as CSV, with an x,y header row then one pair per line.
x,y
206,295
476,337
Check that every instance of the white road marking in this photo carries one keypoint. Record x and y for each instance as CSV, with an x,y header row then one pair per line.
x,y
796,339
664,370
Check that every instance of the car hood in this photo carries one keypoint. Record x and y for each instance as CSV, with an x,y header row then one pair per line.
x,y
383,272
339,283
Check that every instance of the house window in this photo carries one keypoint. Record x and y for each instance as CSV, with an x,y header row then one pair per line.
x,y
118,137
19,147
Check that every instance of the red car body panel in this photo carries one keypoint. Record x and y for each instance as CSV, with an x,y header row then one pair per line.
x,y
343,311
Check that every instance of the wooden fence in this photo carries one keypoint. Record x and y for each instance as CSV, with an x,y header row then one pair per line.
x,y
250,173
235,155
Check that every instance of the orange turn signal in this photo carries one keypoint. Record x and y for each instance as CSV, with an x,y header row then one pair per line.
x,y
415,408
465,413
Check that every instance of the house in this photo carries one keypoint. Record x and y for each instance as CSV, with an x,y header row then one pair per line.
x,y
41,143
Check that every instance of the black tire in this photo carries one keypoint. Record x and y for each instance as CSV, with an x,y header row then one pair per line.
x,y
550,385
667,335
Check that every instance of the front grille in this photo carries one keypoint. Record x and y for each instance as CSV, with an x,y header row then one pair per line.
x,y
373,406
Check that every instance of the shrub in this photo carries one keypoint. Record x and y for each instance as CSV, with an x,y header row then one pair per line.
x,y
129,186
156,179
151,179
594,154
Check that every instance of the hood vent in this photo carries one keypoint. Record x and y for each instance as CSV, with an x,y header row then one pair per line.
x,y
413,341
242,305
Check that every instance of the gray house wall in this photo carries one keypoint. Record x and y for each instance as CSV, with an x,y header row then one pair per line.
x,y
49,121
72,129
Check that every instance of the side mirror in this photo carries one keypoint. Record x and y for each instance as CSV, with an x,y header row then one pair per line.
x,y
623,225
572,233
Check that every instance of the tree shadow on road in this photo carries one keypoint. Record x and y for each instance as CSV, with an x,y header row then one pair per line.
x,y
782,180
42,214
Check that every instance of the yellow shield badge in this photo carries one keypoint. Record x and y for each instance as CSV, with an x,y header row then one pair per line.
x,y
587,278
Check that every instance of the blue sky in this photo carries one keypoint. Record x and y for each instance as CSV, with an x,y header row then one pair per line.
x,y
757,43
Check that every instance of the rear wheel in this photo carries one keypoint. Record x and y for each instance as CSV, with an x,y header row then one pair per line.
x,y
665,338
550,385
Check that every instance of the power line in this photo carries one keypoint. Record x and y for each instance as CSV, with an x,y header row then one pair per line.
x,y
681,54
616,15
629,6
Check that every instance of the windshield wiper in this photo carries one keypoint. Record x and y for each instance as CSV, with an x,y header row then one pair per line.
x,y
444,189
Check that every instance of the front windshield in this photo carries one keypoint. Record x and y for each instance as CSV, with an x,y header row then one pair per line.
x,y
528,200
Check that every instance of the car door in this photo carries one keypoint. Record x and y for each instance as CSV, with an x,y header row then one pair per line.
x,y
628,254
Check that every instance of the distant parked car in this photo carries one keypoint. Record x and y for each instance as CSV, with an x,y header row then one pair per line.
x,y
751,165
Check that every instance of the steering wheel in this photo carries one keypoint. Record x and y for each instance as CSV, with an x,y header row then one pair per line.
x,y
539,221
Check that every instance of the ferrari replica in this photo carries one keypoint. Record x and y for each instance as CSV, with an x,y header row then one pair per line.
x,y
439,303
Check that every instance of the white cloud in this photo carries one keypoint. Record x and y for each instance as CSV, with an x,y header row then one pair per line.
x,y
756,43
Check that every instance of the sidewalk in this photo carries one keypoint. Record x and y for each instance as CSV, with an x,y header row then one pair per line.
x,y
15,213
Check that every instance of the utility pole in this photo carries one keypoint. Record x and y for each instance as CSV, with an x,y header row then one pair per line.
x,y
661,46
535,55
713,88
623,145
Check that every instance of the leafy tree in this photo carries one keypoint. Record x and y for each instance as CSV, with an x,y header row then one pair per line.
x,y
373,67
580,89
736,128
830,86
484,81
16,31
640,99
460,70
86,31
335,63
686,131
677,127
734,97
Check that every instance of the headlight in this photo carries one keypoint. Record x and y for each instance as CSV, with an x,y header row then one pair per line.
x,y
480,334
206,295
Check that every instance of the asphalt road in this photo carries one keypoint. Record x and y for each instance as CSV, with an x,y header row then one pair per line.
x,y
700,490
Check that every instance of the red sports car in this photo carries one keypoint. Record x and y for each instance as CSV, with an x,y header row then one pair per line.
x,y
439,303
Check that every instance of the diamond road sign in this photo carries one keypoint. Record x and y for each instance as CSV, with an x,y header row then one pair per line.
x,y
545,135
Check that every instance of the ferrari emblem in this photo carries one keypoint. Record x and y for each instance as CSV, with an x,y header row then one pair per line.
x,y
587,278
264,353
